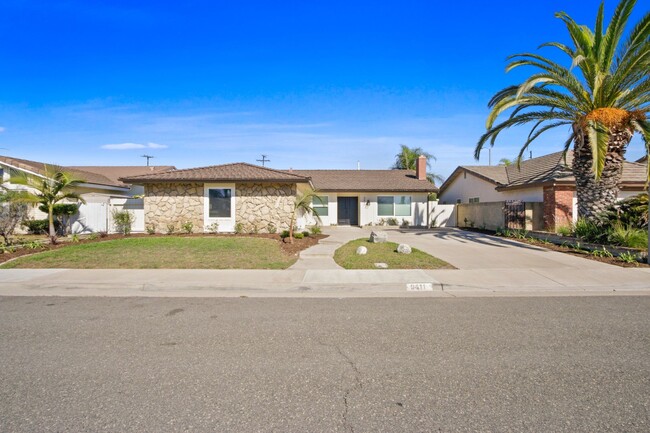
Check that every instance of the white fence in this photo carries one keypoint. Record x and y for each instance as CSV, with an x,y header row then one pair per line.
x,y
442,215
96,217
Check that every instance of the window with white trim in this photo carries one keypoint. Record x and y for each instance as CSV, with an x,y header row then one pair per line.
x,y
320,205
398,205
220,202
473,199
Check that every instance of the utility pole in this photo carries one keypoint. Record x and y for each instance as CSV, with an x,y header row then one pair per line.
x,y
489,156
263,160
148,158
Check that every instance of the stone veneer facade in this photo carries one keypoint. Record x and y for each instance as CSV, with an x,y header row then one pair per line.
x,y
257,206
173,203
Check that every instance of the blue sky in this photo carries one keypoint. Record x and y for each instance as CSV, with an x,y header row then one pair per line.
x,y
310,84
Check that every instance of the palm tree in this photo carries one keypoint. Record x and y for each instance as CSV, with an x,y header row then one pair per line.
x,y
505,161
603,97
303,203
407,159
54,186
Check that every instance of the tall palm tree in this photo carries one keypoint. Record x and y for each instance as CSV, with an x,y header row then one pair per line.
x,y
407,159
56,185
603,97
303,204
505,161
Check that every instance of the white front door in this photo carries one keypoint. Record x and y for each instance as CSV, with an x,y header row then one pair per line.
x,y
219,207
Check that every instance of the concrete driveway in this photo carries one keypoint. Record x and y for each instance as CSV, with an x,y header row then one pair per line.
x,y
465,250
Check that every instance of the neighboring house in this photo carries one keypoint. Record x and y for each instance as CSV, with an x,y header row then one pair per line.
x,y
547,179
101,190
260,198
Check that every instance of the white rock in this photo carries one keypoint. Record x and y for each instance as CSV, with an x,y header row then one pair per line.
x,y
381,265
362,250
404,249
378,237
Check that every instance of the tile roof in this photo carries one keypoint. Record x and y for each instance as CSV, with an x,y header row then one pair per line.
x,y
235,172
540,170
367,180
98,175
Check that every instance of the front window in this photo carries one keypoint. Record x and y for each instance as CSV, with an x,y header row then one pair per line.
x,y
320,205
220,203
399,205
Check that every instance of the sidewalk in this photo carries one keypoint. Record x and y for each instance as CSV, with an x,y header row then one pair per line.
x,y
488,266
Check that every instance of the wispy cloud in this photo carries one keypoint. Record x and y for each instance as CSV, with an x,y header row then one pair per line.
x,y
2,129
129,146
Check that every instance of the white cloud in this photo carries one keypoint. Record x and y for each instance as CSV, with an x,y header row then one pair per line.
x,y
129,146
2,129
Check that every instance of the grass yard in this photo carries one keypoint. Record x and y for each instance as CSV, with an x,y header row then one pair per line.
x,y
163,253
386,252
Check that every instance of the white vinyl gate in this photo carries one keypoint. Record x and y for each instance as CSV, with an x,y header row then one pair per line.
x,y
93,217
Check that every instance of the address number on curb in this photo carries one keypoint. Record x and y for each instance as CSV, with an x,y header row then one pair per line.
x,y
419,287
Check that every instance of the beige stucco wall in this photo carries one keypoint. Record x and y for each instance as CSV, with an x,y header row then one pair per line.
x,y
259,205
467,185
173,203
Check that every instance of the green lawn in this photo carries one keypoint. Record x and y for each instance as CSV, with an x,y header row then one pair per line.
x,y
163,253
385,252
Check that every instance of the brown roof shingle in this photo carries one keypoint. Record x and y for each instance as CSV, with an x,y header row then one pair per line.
x,y
99,175
367,180
235,172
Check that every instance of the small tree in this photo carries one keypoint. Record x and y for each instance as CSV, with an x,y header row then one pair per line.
x,y
12,213
123,221
302,203
63,212
56,185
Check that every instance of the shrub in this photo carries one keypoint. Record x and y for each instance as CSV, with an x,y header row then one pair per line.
x,y
103,234
298,235
315,230
171,228
213,228
305,233
630,212
628,257
405,224
123,221
62,212
75,238
11,215
589,231
392,221
239,228
271,228
628,237
284,234
40,227
93,236
566,230
151,229
188,227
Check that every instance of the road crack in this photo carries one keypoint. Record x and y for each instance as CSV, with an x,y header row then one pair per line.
x,y
356,386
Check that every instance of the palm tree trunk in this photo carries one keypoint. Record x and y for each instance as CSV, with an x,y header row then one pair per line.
x,y
51,222
595,196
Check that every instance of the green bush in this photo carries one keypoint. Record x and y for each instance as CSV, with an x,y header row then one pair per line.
x,y
188,227
566,230
213,228
271,228
305,234
151,229
589,231
239,228
315,230
123,221
284,234
171,228
40,227
628,236
630,212
298,235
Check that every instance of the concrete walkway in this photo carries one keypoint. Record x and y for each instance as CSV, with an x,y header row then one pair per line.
x,y
487,266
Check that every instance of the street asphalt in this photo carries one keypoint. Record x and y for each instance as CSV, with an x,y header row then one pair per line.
x,y
573,364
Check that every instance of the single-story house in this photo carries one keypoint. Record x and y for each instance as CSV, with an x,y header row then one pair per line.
x,y
547,179
255,198
101,190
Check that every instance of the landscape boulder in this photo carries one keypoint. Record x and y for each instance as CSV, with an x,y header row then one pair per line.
x,y
362,250
378,237
404,249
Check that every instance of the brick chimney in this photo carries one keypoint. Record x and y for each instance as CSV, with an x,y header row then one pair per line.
x,y
421,168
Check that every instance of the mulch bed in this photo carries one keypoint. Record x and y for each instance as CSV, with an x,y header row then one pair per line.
x,y
567,250
286,246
